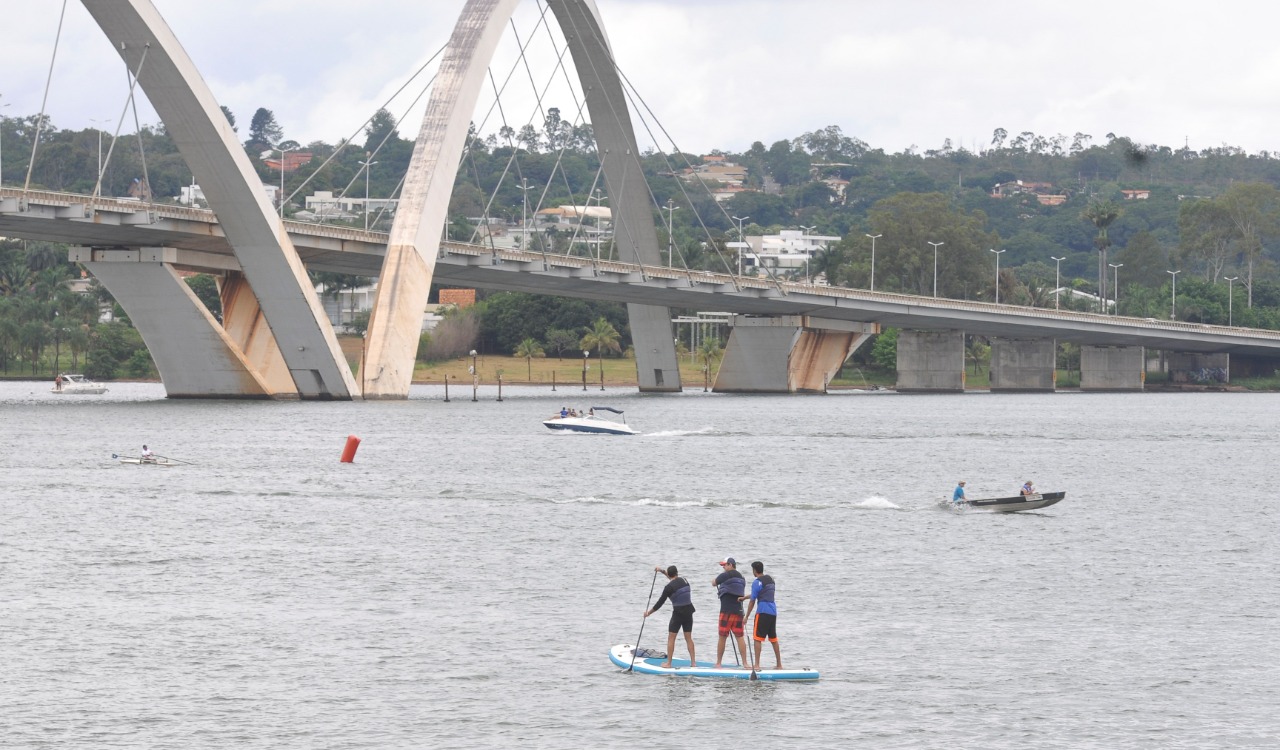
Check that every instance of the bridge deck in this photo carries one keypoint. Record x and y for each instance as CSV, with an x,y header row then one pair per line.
x,y
114,222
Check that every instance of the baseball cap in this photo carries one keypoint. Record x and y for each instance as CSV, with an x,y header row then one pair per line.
x,y
728,561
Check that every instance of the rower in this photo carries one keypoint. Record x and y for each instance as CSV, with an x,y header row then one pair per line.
x,y
148,455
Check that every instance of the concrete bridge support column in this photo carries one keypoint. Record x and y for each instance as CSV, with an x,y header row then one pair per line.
x,y
194,354
1023,365
930,361
1112,368
1202,369
787,354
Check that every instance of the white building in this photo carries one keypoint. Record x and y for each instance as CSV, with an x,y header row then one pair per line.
x,y
789,250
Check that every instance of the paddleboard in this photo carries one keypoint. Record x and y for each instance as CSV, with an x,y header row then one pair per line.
x,y
621,655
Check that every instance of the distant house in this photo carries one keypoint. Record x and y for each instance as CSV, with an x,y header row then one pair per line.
x,y
292,160
1043,192
1136,195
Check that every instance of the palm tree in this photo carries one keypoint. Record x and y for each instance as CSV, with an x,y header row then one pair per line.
x,y
529,349
600,336
1101,214
709,349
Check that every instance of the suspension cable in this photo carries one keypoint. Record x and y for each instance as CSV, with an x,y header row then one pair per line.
x,y
35,144
128,100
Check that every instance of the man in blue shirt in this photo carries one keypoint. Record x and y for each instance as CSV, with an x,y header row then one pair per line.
x,y
766,626
958,496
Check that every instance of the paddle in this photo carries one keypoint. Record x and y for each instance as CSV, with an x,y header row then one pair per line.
x,y
175,460
646,609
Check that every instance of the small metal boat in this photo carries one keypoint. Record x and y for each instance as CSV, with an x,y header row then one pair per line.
x,y
1033,501
589,422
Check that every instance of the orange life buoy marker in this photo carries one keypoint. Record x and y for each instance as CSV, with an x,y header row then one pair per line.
x,y
349,452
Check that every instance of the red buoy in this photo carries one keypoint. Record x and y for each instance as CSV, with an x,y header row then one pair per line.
x,y
349,452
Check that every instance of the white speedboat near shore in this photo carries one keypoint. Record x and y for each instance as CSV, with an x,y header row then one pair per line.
x,y
77,385
589,422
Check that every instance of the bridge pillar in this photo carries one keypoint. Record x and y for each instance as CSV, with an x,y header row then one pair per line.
x,y
1023,365
194,354
787,354
1112,368
1204,369
930,361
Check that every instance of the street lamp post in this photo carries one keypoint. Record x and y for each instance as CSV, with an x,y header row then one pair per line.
x,y
873,260
600,199
808,249
997,252
740,240
3,119
475,376
585,353
671,209
1115,286
284,151
524,187
1057,279
935,265
1173,300
366,164
1231,297
95,122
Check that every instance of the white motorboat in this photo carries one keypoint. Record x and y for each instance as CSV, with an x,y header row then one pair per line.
x,y
77,385
589,422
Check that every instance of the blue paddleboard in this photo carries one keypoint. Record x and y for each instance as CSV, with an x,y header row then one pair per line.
x,y
621,655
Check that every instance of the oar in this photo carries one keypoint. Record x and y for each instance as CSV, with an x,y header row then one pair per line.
x,y
175,460
646,609
113,455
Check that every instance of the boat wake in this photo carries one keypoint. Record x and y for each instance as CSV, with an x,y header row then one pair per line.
x,y
877,503
683,433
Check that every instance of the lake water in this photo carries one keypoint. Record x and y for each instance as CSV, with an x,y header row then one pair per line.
x,y
460,584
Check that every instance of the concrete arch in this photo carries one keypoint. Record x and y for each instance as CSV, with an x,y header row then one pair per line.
x,y
300,333
414,243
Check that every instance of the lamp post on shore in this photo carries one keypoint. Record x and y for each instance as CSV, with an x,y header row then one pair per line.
x,y
740,240
997,252
585,353
873,259
1173,301
1115,286
935,266
1057,279
1231,297
475,377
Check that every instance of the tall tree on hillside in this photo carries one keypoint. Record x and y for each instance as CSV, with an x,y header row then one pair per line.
x,y
1252,208
1102,214
907,223
230,117
380,129
264,131
1204,236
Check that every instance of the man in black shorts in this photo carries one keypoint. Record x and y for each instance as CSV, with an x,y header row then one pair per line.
x,y
730,585
681,595
766,627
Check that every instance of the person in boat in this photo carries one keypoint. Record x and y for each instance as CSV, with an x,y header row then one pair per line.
x,y
958,496
148,455
766,624
564,412
680,593
730,586
591,412
1028,488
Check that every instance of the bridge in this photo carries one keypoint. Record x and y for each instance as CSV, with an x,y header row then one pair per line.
x,y
275,342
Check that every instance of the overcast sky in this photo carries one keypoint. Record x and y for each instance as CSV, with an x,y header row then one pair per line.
x,y
724,73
